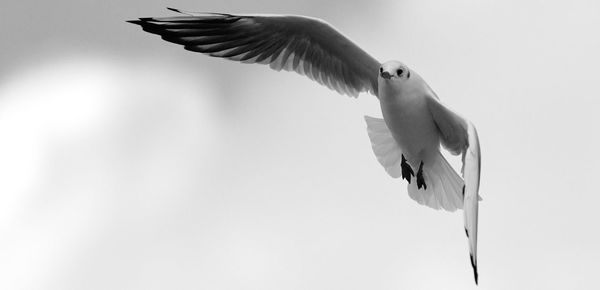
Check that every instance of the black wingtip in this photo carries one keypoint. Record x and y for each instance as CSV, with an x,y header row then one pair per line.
x,y
474,270
137,22
199,13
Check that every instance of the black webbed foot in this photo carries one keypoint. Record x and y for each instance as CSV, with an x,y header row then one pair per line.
x,y
407,171
420,179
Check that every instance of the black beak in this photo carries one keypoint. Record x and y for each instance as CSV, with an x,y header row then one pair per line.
x,y
386,75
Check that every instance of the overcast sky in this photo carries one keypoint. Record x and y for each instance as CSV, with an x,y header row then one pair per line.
x,y
127,162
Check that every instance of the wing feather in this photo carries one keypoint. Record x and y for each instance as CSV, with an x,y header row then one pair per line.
x,y
460,136
305,45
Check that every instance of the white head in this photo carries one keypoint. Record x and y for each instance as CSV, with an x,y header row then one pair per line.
x,y
394,70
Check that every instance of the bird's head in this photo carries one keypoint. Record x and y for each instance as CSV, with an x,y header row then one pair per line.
x,y
394,70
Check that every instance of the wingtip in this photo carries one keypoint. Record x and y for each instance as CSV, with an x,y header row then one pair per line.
x,y
137,21
199,13
474,270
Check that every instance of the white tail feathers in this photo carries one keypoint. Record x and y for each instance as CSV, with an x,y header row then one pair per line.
x,y
444,185
384,146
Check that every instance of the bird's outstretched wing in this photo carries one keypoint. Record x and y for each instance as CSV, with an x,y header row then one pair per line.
x,y
471,172
459,136
306,45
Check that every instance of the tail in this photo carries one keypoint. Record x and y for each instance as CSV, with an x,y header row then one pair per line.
x,y
444,186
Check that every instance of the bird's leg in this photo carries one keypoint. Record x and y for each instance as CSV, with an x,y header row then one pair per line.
x,y
420,179
407,171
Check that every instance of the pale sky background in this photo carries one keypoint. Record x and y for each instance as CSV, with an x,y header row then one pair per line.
x,y
127,162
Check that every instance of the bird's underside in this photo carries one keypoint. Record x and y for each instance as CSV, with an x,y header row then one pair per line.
x,y
313,48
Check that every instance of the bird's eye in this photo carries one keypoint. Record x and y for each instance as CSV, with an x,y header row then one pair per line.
x,y
380,70
399,72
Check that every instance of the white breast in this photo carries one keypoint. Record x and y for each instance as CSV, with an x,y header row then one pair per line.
x,y
404,108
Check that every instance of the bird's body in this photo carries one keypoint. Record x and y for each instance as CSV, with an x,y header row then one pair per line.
x,y
415,123
406,104
404,109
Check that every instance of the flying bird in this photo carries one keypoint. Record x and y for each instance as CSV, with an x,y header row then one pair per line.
x,y
415,124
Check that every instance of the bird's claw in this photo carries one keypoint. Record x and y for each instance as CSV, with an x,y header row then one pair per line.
x,y
420,179
407,171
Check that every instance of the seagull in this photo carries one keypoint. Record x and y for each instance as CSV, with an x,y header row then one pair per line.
x,y
415,124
